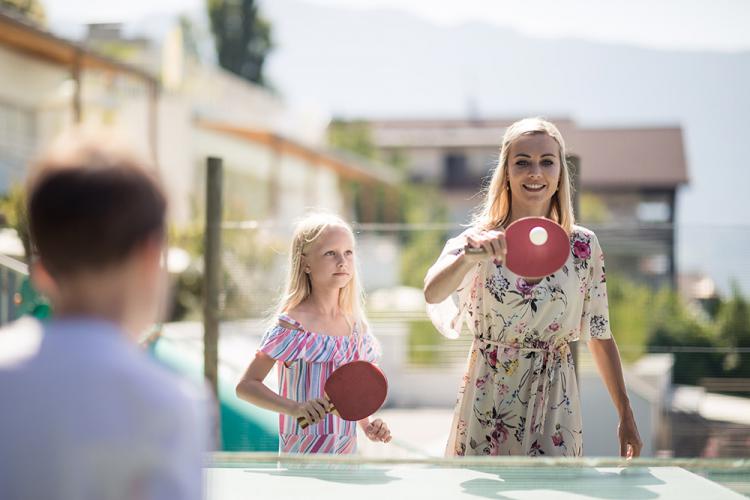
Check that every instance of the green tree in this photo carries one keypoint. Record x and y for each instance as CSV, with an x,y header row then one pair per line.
x,y
593,209
733,326
242,37
13,213
631,330
674,325
421,247
31,10
247,263
354,136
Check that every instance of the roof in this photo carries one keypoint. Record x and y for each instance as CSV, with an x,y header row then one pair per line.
x,y
344,164
444,133
21,36
640,158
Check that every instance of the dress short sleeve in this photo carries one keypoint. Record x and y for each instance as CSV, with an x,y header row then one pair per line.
x,y
595,316
284,344
370,349
449,315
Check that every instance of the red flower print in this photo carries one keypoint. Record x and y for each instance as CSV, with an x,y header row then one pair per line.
x,y
557,438
525,288
492,357
582,250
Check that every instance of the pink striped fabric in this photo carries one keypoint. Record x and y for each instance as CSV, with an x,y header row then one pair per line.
x,y
307,359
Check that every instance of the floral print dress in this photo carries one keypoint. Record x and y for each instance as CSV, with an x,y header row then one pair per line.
x,y
519,395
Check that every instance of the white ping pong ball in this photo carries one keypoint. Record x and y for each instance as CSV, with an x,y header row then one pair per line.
x,y
538,235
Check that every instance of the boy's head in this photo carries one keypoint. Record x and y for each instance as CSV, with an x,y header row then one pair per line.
x,y
94,212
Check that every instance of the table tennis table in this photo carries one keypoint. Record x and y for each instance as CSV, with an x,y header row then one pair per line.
x,y
241,476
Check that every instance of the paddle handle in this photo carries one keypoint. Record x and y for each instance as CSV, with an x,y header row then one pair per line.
x,y
304,423
474,250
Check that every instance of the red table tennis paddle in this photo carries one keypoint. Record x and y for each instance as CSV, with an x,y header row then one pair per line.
x,y
355,391
537,247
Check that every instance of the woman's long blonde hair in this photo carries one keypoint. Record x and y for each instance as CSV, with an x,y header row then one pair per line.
x,y
495,211
298,286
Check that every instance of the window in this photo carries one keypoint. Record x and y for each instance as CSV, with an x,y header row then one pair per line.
x,y
455,171
654,211
17,143
654,264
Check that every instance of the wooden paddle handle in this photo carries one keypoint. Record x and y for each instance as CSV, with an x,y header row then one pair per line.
x,y
474,250
304,423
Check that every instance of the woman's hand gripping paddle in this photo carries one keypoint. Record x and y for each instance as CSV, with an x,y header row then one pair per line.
x,y
536,247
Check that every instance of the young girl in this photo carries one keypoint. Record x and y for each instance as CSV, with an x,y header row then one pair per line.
x,y
320,326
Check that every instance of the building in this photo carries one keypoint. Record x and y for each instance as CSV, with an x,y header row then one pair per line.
x,y
275,161
177,112
627,180
50,83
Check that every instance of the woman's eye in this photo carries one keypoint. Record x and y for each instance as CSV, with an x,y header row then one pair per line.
x,y
548,163
522,163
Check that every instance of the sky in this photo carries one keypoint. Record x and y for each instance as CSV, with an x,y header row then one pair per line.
x,y
717,25
667,24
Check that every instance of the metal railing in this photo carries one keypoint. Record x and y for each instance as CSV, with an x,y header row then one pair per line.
x,y
12,274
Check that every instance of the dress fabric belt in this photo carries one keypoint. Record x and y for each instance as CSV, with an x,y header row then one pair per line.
x,y
543,374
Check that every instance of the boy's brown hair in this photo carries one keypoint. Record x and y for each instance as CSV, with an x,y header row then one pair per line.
x,y
90,204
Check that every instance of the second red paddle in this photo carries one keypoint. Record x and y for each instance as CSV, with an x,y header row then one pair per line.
x,y
355,391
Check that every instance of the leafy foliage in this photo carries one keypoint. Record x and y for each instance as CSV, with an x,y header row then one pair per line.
x,y
242,37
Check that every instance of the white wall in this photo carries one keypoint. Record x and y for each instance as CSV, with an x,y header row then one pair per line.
x,y
302,184
426,163
219,95
328,191
47,90
27,81
600,418
176,149
414,387
379,258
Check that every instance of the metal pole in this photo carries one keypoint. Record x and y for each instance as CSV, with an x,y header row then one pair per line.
x,y
153,120
212,271
274,184
4,290
11,297
76,74
672,253
574,162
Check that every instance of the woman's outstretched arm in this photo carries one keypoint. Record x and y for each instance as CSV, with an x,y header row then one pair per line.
x,y
444,277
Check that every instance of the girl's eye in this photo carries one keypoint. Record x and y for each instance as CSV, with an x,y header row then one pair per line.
x,y
330,252
349,252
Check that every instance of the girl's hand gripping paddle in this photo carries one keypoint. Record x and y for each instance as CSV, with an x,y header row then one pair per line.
x,y
354,391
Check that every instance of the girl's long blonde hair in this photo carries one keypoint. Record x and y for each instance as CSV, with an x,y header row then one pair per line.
x,y
495,211
298,286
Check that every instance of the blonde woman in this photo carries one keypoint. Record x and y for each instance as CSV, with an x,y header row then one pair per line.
x,y
320,325
520,395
